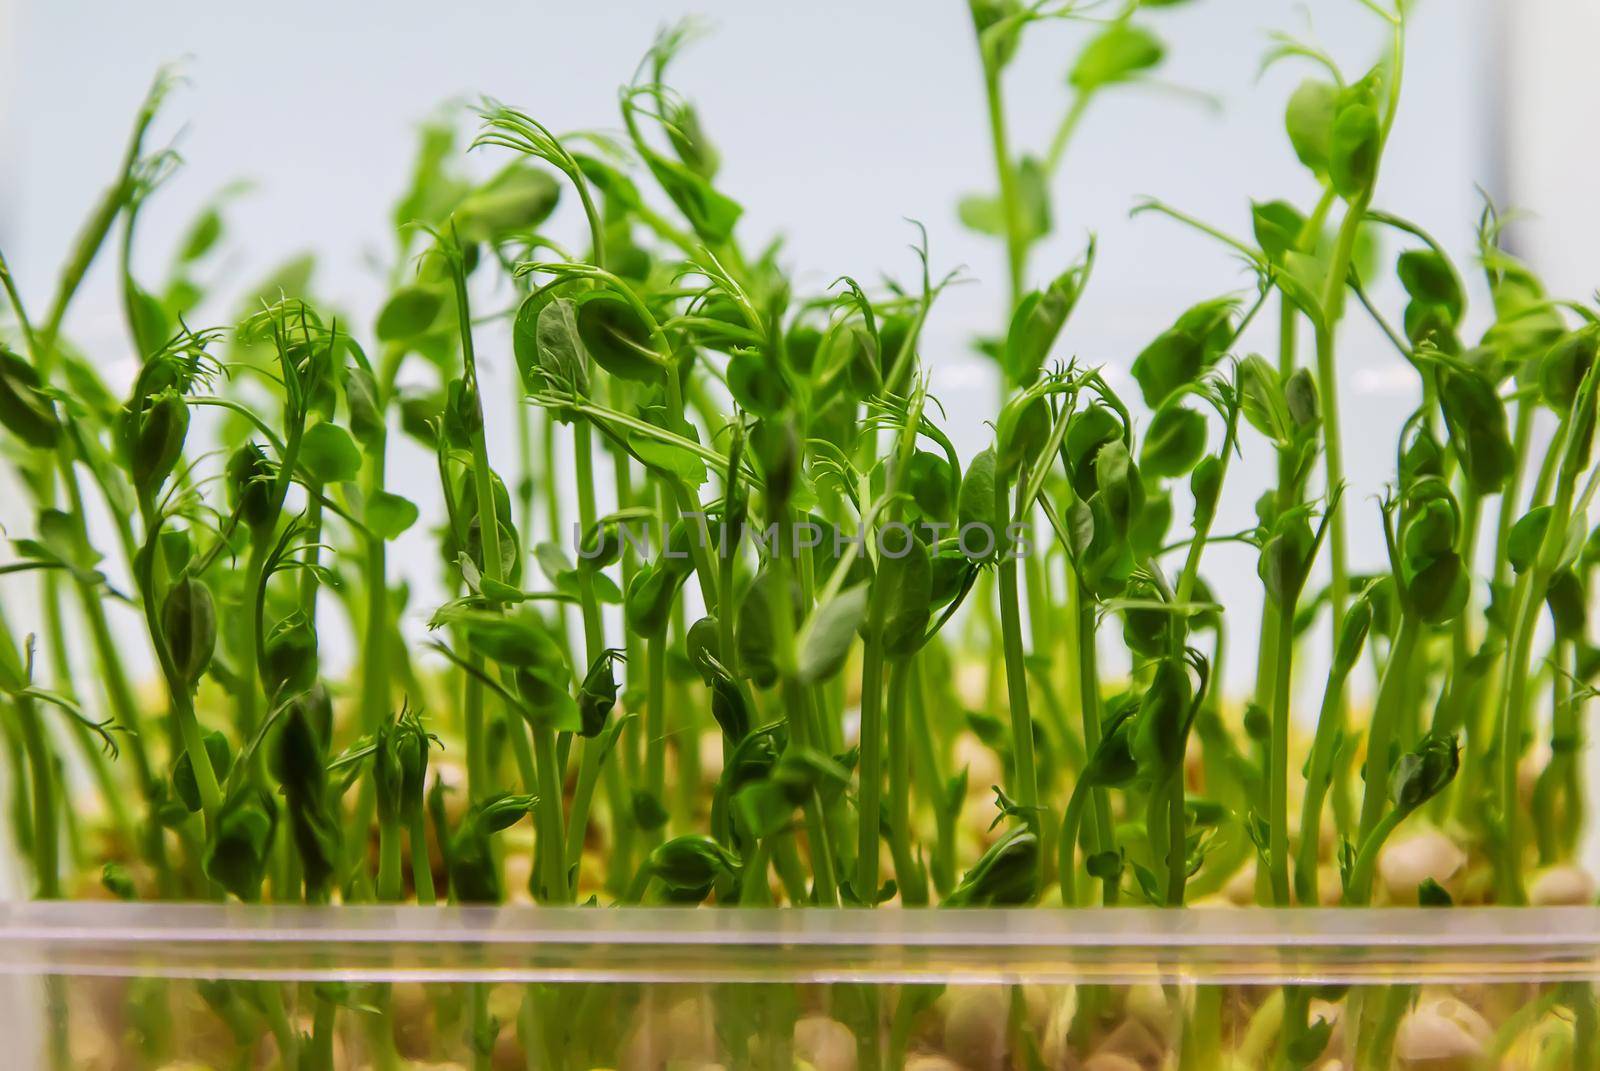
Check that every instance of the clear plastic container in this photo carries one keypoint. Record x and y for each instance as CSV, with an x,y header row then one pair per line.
x,y
111,985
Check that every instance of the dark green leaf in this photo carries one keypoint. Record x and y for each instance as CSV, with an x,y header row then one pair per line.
x,y
828,633
615,335
1174,443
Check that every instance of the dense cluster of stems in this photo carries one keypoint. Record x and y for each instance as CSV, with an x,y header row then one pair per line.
x,y
896,711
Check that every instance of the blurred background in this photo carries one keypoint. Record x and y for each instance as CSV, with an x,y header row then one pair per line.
x,y
838,121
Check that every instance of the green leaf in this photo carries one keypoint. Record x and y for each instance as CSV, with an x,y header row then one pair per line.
x,y
1476,419
1310,122
904,583
1088,431
1020,433
25,411
975,503
1423,773
202,235
388,515
1039,319
1174,443
1185,350
1304,1048
409,312
559,347
1301,281
648,603
1301,400
184,785
1285,559
1564,365
1033,198
648,812
756,385
1120,53
150,326
1277,226
1431,894
520,640
691,864
514,201
1006,875
238,848
672,457
982,212
1522,543
367,420
1121,490
754,635
711,214
615,335
328,454
189,618
1428,278
1353,148
1263,402
826,637
933,484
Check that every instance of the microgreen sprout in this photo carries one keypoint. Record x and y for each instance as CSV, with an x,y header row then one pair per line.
x,y
805,629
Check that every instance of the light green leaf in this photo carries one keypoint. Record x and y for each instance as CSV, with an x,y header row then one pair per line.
x,y
329,454
388,515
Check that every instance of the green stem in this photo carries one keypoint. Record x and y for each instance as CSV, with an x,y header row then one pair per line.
x,y
1513,718
248,695
46,830
1063,135
930,772
552,854
549,818
1278,785
796,708
871,778
205,775
1102,837
480,774
594,639
655,765
1328,395
389,881
1010,205
421,865
753,888
1381,728
1367,857
1177,839
1319,773
1025,779
1548,826
910,877
375,640
1068,864
582,801
108,658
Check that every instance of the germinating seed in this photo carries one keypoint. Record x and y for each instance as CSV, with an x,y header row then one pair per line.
x,y
803,567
